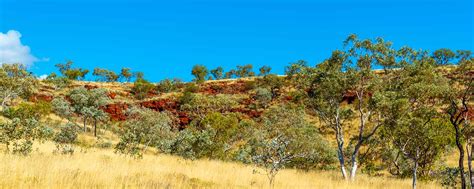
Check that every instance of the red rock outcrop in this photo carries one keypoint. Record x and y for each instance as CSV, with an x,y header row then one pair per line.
x,y
116,111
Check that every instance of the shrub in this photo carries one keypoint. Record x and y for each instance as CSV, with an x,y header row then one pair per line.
x,y
141,88
145,128
263,97
21,133
168,85
66,138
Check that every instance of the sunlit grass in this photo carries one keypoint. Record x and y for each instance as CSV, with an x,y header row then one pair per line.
x,y
100,168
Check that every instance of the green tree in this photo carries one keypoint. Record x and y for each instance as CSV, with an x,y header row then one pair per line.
x,y
413,120
245,71
72,73
105,75
15,81
88,103
462,90
443,56
145,128
325,88
126,74
264,70
22,133
263,97
200,72
218,73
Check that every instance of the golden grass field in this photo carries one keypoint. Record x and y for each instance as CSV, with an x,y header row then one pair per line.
x,y
102,168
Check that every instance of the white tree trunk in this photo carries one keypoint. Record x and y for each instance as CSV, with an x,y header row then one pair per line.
x,y
415,167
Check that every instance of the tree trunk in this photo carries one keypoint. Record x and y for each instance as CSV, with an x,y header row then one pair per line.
x,y
85,128
470,153
95,128
415,168
461,163
340,152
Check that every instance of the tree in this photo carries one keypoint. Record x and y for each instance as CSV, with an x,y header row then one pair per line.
x,y
325,88
245,71
141,88
105,75
126,74
169,85
230,74
274,156
363,55
274,83
443,56
286,139
62,108
462,89
72,73
88,103
22,133
218,73
145,128
264,70
200,72
15,81
413,120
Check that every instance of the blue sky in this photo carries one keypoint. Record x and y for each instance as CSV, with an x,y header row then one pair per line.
x,y
164,39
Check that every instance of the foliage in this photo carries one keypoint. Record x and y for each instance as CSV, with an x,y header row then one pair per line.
x,y
62,108
66,138
21,133
274,83
200,72
15,81
72,73
168,85
264,70
263,97
126,74
245,71
29,110
141,88
145,128
105,75
218,73
200,105
88,103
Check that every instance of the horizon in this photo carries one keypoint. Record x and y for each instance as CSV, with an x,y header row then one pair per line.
x,y
155,37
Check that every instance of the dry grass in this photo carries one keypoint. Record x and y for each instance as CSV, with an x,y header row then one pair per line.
x,y
98,168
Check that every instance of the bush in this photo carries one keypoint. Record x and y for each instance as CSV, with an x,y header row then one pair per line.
x,y
168,85
263,97
141,88
145,128
66,138
21,133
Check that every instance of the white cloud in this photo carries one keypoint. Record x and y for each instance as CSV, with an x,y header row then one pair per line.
x,y
42,77
13,51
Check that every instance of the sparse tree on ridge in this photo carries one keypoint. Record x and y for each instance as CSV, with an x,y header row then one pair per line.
x,y
200,72
264,70
218,73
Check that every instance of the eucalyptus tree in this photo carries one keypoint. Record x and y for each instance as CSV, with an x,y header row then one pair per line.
x,y
218,73
15,81
200,72
145,128
88,103
126,74
325,87
411,106
72,73
264,70
457,111
363,56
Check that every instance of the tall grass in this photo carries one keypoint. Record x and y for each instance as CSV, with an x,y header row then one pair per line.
x,y
98,168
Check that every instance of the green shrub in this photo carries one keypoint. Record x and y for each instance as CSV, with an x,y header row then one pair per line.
x,y
66,138
141,88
